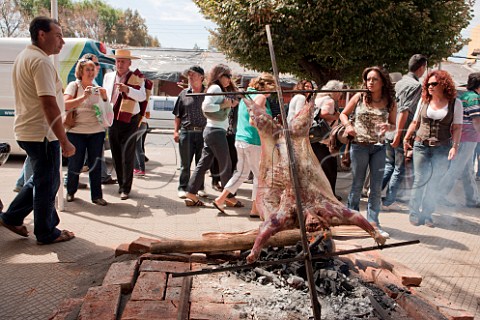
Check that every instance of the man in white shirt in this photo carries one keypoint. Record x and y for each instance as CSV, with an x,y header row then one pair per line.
x,y
126,90
38,125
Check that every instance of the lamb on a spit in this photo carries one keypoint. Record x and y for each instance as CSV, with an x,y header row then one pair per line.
x,y
275,198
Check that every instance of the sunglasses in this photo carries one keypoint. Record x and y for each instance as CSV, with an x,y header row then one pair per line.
x,y
83,61
228,75
432,84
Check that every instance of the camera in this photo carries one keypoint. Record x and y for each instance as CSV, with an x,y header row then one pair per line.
x,y
94,90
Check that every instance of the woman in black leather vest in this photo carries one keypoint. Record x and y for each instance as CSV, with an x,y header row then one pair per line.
x,y
438,125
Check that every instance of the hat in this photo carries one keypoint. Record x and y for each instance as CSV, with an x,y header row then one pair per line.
x,y
416,61
122,54
196,69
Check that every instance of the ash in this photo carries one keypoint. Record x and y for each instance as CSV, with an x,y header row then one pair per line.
x,y
281,291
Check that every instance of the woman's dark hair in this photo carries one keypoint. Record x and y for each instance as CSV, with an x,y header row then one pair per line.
x,y
445,80
388,91
301,86
38,24
216,73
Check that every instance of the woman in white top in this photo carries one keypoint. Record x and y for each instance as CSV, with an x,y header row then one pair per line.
x,y
326,108
88,133
298,101
216,109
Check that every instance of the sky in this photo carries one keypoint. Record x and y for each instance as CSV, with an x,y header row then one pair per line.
x,y
176,23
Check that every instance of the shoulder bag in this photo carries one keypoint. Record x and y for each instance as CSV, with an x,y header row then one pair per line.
x,y
71,116
320,129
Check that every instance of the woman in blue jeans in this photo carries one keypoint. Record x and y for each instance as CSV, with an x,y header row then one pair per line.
x,y
216,109
373,115
437,125
88,133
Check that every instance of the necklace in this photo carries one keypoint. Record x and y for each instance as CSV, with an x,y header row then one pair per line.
x,y
377,101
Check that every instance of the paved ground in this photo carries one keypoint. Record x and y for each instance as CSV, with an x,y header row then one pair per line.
x,y
36,278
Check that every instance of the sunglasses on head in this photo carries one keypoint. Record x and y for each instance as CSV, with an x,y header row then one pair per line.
x,y
228,75
83,61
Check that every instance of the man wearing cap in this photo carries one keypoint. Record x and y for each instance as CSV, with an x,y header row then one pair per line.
x,y
189,125
126,90
407,92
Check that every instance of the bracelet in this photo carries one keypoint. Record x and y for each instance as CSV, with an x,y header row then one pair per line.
x,y
456,144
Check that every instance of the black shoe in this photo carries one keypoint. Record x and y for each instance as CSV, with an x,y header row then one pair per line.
x,y
110,181
70,197
146,159
82,185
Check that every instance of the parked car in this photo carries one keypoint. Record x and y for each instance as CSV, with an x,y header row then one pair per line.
x,y
161,116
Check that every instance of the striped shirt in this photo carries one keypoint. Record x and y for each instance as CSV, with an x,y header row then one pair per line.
x,y
471,109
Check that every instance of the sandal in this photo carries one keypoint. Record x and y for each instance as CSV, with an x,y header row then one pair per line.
x,y
65,235
193,203
429,223
237,204
218,207
20,230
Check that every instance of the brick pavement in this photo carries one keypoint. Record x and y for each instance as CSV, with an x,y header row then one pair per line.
x,y
35,279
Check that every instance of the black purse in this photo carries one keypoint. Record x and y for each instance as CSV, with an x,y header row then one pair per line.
x,y
4,152
320,130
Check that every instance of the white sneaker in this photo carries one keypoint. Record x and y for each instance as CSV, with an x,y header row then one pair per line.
x,y
383,233
202,193
182,194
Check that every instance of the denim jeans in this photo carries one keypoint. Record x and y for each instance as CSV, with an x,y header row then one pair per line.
x,y
190,145
38,194
461,167
93,145
27,172
363,157
139,152
429,165
216,146
394,173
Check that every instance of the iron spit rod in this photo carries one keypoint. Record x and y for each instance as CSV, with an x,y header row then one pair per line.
x,y
243,93
316,257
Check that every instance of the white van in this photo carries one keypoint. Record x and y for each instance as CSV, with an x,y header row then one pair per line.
x,y
73,49
161,116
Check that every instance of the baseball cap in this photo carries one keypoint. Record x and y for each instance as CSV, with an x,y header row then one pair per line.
x,y
196,69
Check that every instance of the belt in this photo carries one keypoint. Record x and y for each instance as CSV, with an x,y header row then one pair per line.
x,y
362,143
432,143
194,128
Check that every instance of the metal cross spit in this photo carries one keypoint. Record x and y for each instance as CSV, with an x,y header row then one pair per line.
x,y
306,255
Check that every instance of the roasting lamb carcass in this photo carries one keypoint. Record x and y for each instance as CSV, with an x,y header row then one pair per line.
x,y
275,198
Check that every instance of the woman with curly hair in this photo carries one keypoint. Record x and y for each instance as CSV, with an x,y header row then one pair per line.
x,y
437,125
373,114
216,109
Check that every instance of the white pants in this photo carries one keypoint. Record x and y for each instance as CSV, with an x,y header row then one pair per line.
x,y
248,160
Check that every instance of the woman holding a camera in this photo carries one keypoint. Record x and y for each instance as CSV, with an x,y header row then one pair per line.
x,y
85,129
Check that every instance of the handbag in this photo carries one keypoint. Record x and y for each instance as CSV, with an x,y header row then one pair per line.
x,y
71,115
320,130
4,152
104,113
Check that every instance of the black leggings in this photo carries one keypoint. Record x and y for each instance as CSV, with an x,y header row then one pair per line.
x,y
327,161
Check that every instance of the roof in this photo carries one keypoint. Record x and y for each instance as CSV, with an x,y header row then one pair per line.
x,y
169,64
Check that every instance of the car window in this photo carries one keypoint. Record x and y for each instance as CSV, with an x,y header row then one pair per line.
x,y
163,105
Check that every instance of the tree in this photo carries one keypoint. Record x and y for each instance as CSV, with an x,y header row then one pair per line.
x,y
12,23
330,39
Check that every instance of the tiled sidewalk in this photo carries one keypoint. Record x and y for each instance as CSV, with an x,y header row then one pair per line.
x,y
36,278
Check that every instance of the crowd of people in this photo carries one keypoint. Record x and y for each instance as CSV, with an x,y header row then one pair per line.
x,y
385,124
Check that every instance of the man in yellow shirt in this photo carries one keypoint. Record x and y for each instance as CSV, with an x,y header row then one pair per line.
x,y
40,132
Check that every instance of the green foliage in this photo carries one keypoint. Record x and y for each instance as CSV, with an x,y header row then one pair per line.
x,y
94,19
329,39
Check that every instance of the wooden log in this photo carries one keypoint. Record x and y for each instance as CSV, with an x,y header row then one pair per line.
x,y
243,242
